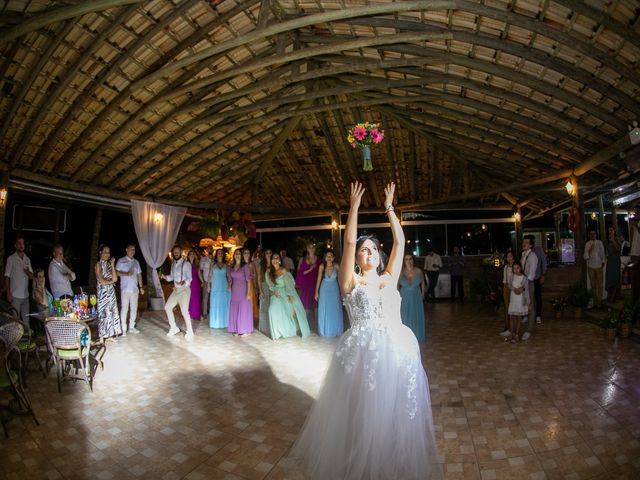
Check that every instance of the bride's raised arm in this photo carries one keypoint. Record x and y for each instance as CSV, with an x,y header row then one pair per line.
x,y
346,271
394,267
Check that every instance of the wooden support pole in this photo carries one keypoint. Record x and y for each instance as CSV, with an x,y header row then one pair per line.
x,y
4,190
601,223
518,225
95,243
336,235
579,235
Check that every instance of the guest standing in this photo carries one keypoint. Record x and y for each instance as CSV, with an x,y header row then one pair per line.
x,y
287,262
306,281
181,276
130,274
195,301
412,291
432,266
240,310
507,273
42,297
265,293
612,281
330,321
529,266
60,275
456,264
287,316
246,258
519,301
106,275
595,257
220,297
538,280
205,273
17,273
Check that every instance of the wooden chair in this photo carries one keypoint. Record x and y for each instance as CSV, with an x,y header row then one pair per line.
x,y
69,343
10,367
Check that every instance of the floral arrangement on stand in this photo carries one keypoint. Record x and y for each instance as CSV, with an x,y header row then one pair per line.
x,y
559,304
226,224
363,135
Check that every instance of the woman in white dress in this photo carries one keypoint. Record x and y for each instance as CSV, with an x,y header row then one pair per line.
x,y
372,418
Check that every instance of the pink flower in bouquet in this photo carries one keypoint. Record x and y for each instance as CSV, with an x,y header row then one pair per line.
x,y
377,135
359,133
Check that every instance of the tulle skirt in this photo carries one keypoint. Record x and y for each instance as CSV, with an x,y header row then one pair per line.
x,y
372,418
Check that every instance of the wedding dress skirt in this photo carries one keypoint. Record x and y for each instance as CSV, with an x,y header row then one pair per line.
x,y
372,418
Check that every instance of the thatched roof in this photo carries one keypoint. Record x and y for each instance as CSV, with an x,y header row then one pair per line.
x,y
247,103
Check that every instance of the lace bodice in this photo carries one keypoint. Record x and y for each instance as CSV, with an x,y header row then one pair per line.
x,y
370,306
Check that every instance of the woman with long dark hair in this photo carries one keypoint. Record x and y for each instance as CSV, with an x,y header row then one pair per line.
x,y
220,292
287,317
240,311
372,418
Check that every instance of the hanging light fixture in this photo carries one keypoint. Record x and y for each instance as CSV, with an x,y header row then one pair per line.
x,y
571,186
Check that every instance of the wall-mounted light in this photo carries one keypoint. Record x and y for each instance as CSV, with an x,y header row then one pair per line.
x,y
594,216
516,216
334,225
157,217
571,186
4,193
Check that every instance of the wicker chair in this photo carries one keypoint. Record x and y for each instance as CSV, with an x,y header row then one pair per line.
x,y
10,378
69,343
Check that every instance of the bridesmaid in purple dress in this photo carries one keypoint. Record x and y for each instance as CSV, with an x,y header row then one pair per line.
x,y
195,303
240,310
306,282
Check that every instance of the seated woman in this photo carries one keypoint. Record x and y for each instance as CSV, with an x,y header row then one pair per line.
x,y
42,296
287,317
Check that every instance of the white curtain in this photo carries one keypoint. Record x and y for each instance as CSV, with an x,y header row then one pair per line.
x,y
157,227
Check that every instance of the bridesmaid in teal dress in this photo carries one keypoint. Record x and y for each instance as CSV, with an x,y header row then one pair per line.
x,y
412,290
220,293
287,317
330,321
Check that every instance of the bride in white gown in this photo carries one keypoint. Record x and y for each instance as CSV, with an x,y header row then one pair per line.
x,y
372,418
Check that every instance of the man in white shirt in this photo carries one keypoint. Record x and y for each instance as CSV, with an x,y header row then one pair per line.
x,y
287,262
17,273
595,257
205,270
529,263
432,265
60,276
181,278
130,275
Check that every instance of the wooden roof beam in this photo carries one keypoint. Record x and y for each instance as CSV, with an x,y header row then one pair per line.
x,y
55,15
287,26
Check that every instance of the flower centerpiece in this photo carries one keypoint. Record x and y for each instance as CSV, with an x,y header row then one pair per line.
x,y
364,135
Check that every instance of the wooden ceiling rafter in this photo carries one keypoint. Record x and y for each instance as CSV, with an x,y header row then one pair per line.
x,y
58,14
59,32
48,101
496,132
291,25
530,54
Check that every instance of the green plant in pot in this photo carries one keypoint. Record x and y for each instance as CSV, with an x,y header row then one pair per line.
x,y
628,315
611,322
579,298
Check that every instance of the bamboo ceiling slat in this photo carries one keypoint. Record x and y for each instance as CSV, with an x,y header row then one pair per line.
x,y
135,92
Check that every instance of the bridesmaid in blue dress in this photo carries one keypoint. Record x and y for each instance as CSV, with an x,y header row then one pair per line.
x,y
220,293
330,322
412,291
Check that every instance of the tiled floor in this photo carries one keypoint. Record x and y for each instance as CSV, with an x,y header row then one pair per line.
x,y
565,405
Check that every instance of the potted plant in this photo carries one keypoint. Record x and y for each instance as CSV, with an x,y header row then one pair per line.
x,y
579,298
611,322
155,300
628,314
559,304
